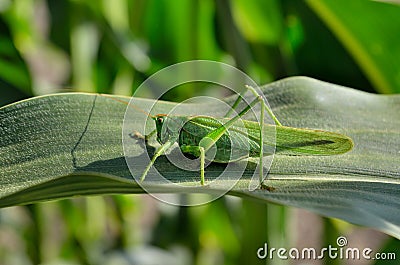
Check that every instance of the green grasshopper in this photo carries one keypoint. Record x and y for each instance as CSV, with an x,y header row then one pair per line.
x,y
196,135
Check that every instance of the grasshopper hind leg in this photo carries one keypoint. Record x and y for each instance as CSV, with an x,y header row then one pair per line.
x,y
254,92
264,107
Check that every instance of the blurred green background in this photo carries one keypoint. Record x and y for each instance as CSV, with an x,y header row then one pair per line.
x,y
52,46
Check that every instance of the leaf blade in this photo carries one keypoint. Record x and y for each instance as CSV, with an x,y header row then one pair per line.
x,y
41,138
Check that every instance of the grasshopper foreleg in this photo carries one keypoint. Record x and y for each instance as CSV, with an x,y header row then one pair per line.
x,y
161,150
138,135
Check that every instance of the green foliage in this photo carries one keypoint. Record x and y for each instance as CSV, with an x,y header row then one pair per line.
x,y
112,46
368,40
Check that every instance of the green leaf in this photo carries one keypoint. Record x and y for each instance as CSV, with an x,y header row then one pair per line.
x,y
370,36
258,21
63,145
12,69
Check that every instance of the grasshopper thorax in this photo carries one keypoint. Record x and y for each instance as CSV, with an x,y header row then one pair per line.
x,y
168,127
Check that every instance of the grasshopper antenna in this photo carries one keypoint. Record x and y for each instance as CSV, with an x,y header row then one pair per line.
x,y
127,103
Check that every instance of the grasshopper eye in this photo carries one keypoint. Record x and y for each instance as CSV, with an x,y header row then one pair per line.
x,y
160,120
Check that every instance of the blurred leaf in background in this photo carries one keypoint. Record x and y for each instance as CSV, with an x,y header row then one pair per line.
x,y
371,41
49,46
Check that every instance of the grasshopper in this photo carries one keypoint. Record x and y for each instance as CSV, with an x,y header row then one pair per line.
x,y
196,135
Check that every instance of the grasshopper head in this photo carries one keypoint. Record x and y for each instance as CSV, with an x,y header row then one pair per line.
x,y
168,127
159,120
